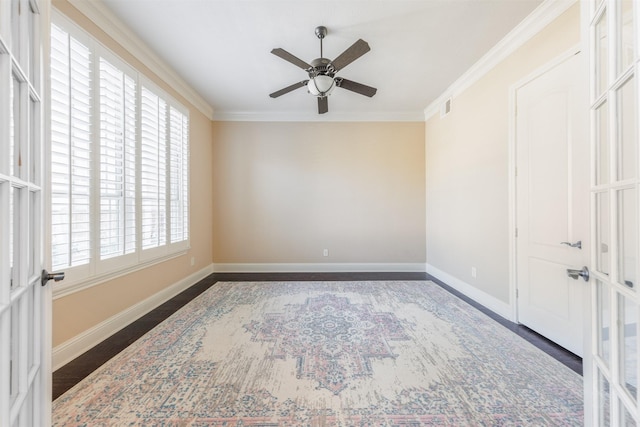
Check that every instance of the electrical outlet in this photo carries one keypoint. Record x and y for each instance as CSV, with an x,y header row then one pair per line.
x,y
193,261
325,252
473,272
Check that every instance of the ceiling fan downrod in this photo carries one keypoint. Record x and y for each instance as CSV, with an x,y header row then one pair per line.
x,y
321,32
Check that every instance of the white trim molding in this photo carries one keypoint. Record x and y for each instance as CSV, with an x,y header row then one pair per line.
x,y
492,303
97,12
319,267
537,20
296,116
70,349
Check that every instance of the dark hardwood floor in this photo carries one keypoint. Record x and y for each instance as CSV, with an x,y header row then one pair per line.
x,y
73,372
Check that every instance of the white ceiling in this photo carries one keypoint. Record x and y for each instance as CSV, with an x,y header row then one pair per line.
x,y
418,48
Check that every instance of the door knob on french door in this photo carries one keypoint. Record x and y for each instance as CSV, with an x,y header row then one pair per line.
x,y
46,276
577,244
574,274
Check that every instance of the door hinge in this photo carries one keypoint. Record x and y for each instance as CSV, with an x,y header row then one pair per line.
x,y
517,293
516,232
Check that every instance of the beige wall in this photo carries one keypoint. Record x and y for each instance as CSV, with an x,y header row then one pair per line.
x,y
283,192
80,311
467,166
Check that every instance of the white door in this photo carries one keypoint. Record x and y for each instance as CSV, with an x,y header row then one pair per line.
x,y
24,304
552,193
611,367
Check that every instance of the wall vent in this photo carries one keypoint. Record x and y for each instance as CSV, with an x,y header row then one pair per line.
x,y
445,108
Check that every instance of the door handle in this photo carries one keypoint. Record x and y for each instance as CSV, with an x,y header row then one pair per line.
x,y
577,244
574,274
46,276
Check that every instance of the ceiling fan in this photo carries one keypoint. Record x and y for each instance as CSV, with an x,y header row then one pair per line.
x,y
322,72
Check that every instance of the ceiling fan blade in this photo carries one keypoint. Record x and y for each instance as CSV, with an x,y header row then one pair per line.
x,y
288,89
291,58
323,105
356,87
354,52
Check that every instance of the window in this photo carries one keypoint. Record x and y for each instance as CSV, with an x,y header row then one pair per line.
x,y
71,136
153,164
179,137
119,162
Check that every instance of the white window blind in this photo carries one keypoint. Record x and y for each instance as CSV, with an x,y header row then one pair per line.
x,y
117,161
119,191
71,97
179,177
153,169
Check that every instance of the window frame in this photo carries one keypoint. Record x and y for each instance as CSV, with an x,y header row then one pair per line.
x,y
99,270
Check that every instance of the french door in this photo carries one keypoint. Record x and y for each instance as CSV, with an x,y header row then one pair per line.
x,y
612,369
24,303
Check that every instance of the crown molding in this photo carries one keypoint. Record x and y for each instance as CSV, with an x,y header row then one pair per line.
x,y
97,12
288,116
542,16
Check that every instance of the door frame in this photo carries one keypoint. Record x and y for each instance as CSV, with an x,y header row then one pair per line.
x,y
512,167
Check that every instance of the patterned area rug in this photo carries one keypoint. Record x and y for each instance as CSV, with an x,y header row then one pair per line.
x,y
327,354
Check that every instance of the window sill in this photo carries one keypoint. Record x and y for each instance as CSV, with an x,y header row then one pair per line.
x,y
64,289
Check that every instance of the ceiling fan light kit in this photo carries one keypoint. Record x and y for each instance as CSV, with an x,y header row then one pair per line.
x,y
321,85
322,72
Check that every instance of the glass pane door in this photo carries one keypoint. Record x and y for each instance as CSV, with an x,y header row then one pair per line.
x,y
23,380
612,369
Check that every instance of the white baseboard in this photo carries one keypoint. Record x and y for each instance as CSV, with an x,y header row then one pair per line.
x,y
492,303
70,349
320,267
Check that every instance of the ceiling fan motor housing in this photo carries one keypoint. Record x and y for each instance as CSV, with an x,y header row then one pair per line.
x,y
321,66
